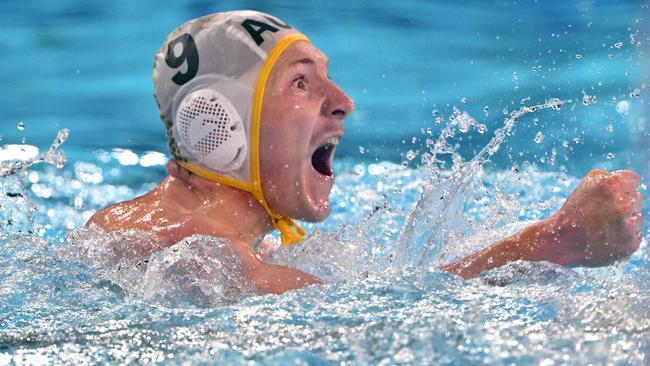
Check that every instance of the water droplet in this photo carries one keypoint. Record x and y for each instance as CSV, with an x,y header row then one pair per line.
x,y
610,155
610,128
554,103
486,109
20,126
578,56
588,99
514,76
427,159
362,150
539,137
410,155
434,112
635,93
618,44
623,107
463,120
463,100
481,128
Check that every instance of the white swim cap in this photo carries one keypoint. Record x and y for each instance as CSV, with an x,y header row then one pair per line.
x,y
209,78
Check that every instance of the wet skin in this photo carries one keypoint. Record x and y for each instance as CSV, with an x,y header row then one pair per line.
x,y
303,109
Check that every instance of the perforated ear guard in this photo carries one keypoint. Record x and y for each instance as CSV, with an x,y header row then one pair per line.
x,y
208,125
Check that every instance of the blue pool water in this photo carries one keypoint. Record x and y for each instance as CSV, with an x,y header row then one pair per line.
x,y
408,66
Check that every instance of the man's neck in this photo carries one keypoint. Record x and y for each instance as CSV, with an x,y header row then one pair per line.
x,y
235,214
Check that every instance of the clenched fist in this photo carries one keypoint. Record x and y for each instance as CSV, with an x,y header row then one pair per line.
x,y
600,221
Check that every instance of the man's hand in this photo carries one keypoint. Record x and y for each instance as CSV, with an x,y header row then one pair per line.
x,y
600,221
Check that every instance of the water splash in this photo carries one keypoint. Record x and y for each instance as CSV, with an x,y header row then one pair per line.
x,y
348,254
437,219
16,210
52,156
199,270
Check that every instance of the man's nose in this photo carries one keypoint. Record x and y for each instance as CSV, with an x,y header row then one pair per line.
x,y
337,104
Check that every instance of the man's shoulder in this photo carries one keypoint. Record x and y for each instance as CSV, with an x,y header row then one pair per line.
x,y
135,213
108,217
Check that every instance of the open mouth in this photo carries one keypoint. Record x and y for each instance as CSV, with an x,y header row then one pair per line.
x,y
321,159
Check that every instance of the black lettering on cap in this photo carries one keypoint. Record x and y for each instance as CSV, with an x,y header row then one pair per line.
x,y
255,28
278,22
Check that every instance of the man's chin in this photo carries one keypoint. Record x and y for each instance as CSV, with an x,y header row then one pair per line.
x,y
316,214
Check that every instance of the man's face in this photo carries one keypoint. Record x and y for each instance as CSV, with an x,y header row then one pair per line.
x,y
302,121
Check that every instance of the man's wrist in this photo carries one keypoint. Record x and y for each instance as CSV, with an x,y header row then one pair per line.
x,y
537,241
548,242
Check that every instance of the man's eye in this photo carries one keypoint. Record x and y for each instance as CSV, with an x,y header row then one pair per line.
x,y
299,82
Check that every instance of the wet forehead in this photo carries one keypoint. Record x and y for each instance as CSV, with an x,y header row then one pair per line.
x,y
301,52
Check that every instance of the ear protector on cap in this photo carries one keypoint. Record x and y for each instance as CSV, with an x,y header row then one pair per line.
x,y
209,126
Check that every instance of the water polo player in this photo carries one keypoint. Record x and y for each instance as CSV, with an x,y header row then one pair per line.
x,y
253,121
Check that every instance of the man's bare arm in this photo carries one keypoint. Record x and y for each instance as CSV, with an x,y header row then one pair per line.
x,y
521,246
276,279
599,223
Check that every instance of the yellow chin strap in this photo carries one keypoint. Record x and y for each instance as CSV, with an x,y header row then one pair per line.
x,y
290,232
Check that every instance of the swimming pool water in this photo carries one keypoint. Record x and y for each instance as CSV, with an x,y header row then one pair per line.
x,y
408,66
178,307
